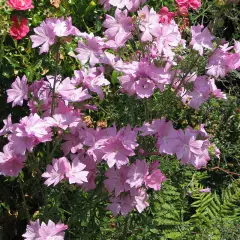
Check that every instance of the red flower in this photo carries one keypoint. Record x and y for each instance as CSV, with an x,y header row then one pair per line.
x,y
165,16
19,28
20,4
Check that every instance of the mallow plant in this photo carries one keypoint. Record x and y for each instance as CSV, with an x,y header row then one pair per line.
x,y
149,54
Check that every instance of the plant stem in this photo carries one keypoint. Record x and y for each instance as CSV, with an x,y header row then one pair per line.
x,y
24,200
55,79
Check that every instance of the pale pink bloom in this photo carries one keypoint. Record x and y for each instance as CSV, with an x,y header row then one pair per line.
x,y
144,88
91,78
37,231
105,4
44,37
68,91
33,126
168,37
131,5
52,231
205,190
118,28
167,137
237,46
21,144
7,125
57,171
91,51
10,162
63,28
118,147
73,141
18,91
63,121
138,171
154,180
165,16
117,180
188,145
76,173
201,38
218,63
32,231
140,196
149,22
20,4
124,205
91,168
215,91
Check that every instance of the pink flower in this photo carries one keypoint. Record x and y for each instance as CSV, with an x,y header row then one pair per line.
x,y
76,173
165,16
32,231
117,180
123,205
49,29
140,196
118,147
20,4
138,171
154,180
18,91
10,162
205,190
56,172
37,231
201,38
33,126
91,167
64,28
144,88
44,36
131,5
218,63
118,28
168,37
91,51
93,79
7,125
19,28
149,22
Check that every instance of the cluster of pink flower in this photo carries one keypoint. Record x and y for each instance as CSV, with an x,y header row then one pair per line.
x,y
56,116
190,146
19,28
37,231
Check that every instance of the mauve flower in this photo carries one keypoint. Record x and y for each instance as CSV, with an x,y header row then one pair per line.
x,y
56,172
20,4
18,92
144,88
19,28
7,125
10,162
118,28
154,180
117,180
76,173
44,36
50,231
138,171
201,38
